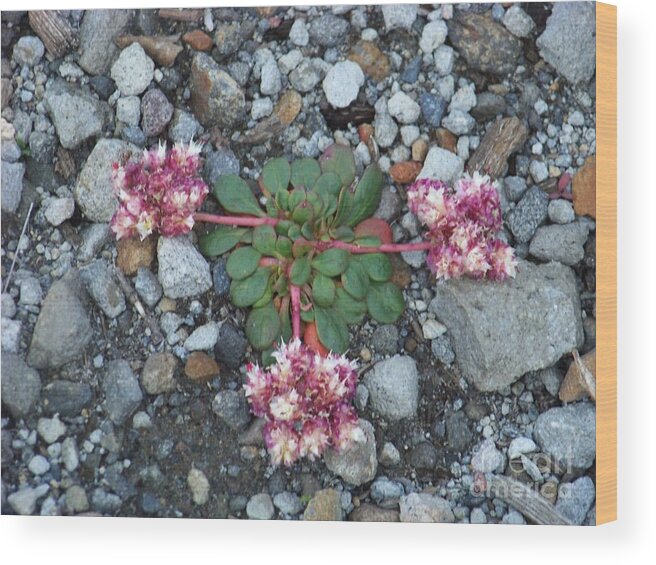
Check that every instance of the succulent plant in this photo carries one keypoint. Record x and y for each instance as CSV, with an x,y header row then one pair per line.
x,y
317,213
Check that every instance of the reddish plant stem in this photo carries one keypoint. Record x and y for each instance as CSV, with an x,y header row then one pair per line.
x,y
269,262
295,293
384,248
243,221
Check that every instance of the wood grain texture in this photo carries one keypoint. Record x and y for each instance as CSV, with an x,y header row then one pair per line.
x,y
606,263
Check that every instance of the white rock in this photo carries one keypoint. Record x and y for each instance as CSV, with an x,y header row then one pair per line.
x,y
409,134
23,501
289,61
518,22
458,122
520,446
433,35
488,458
464,99
133,70
444,57
342,83
432,329
38,465
399,16
51,429
69,454
443,165
199,486
59,210
183,272
298,34
203,338
403,108
128,110
261,108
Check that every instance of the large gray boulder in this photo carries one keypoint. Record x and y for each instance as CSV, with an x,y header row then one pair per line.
x,y
502,330
62,330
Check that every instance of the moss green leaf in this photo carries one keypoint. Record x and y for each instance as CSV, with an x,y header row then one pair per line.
x,y
377,266
323,290
234,194
305,172
263,326
332,329
264,239
242,262
248,291
332,262
349,308
276,174
355,280
222,239
299,274
385,302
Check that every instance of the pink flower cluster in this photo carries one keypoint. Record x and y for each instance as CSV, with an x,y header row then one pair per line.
x,y
463,223
158,193
306,402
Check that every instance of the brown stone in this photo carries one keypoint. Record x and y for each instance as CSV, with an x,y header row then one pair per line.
x,y
162,49
372,60
572,388
419,150
365,132
134,253
584,188
401,275
371,513
198,40
6,90
158,373
284,114
446,140
201,367
167,305
405,172
288,107
325,506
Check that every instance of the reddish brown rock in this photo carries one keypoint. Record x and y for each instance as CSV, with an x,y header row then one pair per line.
x,y
405,172
371,60
162,49
401,275
201,367
584,188
284,114
134,253
198,40
446,140
365,131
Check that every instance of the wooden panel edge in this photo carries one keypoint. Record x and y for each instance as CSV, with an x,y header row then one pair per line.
x,y
606,200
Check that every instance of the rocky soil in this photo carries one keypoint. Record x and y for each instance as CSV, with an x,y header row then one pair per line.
x,y
106,411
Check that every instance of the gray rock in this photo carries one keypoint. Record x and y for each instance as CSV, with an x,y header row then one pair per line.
x,y
432,108
133,70
357,464
260,507
270,78
288,503
568,43
389,455
62,330
433,35
220,278
551,379
444,57
69,455
8,306
93,238
21,385
101,286
443,165
305,76
403,108
385,128
486,45
385,339
231,407
66,398
38,465
394,387
147,287
203,337
563,243
342,84
298,34
442,350
329,30
515,187
520,446
103,86
156,112
128,110
122,392
183,271
183,127
98,31
10,151
383,491
76,114
539,170
230,347
575,499
220,162
458,433
500,331
134,135
458,122
29,50
158,373
93,191
24,501
12,185
424,507
216,98
487,458
59,210
43,146
530,212
518,22
568,434
399,16
11,331
30,292
76,498
390,202
51,429
423,456
488,106
105,502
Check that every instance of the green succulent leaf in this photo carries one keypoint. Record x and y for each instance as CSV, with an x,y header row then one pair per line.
x,y
284,247
307,230
221,240
328,184
377,266
242,262
305,172
307,315
296,196
385,302
248,291
332,262
266,297
323,290
344,207
367,241
332,329
317,203
355,280
264,239
281,286
299,274
343,233
351,310
285,324
263,326
282,199
339,159
367,195
234,194
282,227
294,232
303,213
276,174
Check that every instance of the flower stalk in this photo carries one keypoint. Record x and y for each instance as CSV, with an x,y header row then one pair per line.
x,y
239,221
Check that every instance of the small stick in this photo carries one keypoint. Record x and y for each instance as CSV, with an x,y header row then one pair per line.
x,y
133,298
18,248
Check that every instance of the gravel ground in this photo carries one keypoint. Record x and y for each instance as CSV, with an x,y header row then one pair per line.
x,y
101,417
